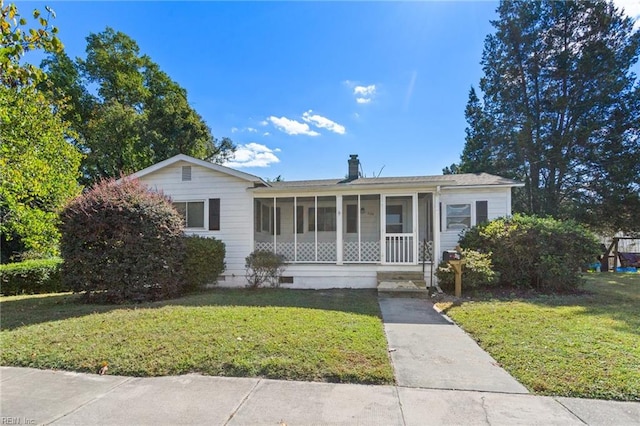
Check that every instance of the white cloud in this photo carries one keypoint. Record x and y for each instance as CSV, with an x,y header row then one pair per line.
x,y
252,130
292,127
369,90
323,122
253,155
363,94
234,129
631,7
266,134
264,123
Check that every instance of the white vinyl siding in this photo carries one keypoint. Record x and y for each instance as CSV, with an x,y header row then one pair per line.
x,y
236,209
498,204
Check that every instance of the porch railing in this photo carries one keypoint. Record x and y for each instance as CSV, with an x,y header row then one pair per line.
x,y
399,248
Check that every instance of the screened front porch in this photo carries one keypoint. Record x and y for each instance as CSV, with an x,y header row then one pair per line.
x,y
343,229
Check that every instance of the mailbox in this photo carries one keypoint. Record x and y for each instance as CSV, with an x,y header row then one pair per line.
x,y
448,255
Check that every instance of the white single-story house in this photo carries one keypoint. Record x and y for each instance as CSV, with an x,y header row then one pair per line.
x,y
333,232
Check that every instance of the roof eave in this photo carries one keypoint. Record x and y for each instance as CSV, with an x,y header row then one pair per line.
x,y
348,187
485,185
216,167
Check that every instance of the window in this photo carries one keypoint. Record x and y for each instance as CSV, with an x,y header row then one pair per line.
x,y
482,212
458,216
394,219
352,218
186,173
326,219
214,214
192,212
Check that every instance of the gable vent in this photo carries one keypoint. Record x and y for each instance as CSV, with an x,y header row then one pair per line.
x,y
186,173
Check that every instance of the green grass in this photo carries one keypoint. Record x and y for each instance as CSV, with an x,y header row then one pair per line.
x,y
334,336
585,345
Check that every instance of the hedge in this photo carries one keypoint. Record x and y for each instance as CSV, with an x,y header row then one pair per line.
x,y
32,277
541,253
477,272
203,262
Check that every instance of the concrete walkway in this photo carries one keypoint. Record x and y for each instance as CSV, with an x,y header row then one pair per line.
x,y
30,396
430,351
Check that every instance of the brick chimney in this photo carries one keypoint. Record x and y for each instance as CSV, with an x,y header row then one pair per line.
x,y
354,167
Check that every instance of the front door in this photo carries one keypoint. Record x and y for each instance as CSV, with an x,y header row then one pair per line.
x,y
398,229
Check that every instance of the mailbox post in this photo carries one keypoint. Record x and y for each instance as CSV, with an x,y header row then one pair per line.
x,y
454,258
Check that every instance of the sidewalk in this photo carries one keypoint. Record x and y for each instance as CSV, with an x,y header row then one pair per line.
x,y
443,378
30,396
429,351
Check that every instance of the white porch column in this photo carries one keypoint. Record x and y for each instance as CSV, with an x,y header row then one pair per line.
x,y
436,227
414,213
383,230
339,244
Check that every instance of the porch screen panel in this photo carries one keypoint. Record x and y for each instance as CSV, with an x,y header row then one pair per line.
x,y
370,228
305,239
351,228
285,237
263,224
326,225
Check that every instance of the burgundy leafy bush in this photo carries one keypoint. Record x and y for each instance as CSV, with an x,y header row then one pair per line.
x,y
122,242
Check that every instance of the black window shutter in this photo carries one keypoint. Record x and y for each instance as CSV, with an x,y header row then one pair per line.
x,y
214,214
300,219
482,212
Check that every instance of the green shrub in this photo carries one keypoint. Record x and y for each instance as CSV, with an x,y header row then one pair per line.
x,y
31,277
264,267
204,261
477,272
122,242
532,252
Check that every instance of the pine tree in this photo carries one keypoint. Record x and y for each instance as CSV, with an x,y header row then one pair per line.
x,y
559,108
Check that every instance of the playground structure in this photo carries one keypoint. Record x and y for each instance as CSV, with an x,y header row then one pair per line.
x,y
623,251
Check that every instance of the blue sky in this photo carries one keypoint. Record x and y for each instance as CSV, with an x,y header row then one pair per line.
x,y
301,86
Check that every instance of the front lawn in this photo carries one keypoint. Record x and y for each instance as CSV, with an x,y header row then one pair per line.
x,y
585,345
334,335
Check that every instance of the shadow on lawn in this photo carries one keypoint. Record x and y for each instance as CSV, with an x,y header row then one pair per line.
x,y
46,308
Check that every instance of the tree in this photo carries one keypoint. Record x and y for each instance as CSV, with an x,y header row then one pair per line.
x,y
39,172
475,156
137,116
15,41
560,109
39,168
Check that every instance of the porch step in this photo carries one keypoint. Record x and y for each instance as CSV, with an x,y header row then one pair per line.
x,y
400,275
401,282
